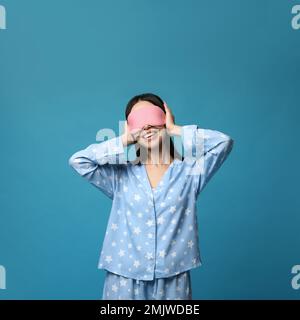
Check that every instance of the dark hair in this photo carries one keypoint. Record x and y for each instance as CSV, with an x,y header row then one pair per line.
x,y
156,100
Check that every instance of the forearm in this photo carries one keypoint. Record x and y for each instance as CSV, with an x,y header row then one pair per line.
x,y
97,153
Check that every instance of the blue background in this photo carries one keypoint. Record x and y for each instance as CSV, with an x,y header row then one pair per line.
x,y
68,69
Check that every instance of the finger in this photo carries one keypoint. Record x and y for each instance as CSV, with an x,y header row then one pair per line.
x,y
136,132
167,108
169,112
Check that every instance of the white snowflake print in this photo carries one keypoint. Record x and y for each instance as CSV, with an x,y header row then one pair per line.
x,y
151,232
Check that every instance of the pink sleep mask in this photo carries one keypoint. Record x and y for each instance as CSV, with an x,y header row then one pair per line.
x,y
147,115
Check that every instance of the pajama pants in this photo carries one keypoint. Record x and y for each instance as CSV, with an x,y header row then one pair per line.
x,y
117,287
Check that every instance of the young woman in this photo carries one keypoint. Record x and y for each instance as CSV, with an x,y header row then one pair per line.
x,y
151,240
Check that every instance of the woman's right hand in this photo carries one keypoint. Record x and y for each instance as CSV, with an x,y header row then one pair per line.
x,y
130,137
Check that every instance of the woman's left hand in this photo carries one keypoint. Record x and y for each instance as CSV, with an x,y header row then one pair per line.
x,y
170,119
172,128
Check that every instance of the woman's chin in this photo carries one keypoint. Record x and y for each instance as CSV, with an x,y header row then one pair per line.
x,y
149,143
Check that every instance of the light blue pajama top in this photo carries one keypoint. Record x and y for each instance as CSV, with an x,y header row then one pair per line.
x,y
152,232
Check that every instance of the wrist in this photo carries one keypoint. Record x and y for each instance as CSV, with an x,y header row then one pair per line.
x,y
124,140
127,139
175,130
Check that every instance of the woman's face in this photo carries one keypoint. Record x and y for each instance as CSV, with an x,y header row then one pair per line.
x,y
149,137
